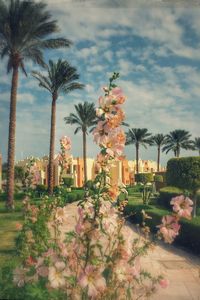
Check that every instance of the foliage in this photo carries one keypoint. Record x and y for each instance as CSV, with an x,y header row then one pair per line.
x,y
40,190
84,118
197,144
167,193
144,177
158,178
60,78
184,172
139,136
25,29
176,140
68,181
190,230
19,173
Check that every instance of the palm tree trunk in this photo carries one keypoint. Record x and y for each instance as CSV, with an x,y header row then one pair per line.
x,y
137,158
199,152
178,152
85,156
158,160
52,146
11,139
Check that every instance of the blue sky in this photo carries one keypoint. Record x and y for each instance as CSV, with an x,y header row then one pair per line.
x,y
156,50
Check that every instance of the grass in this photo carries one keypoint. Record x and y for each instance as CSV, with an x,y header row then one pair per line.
x,y
8,231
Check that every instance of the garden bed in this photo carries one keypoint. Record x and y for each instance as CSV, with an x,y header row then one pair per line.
x,y
189,236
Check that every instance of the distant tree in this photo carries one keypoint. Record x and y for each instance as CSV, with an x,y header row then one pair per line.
x,y
197,144
19,173
25,32
85,117
137,137
61,78
158,140
176,140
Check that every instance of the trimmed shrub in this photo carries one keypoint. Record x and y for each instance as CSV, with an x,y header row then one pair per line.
x,y
189,232
167,193
40,189
184,172
144,177
68,181
158,178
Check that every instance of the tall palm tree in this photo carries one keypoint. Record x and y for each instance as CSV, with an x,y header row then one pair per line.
x,y
197,144
158,140
176,140
61,78
85,117
25,29
138,136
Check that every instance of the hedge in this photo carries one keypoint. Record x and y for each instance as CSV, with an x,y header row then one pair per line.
x,y
184,172
158,178
166,194
144,177
189,232
68,181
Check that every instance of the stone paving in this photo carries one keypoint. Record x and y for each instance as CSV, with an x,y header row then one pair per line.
x,y
179,267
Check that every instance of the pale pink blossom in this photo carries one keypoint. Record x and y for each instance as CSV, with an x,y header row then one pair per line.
x,y
19,276
182,206
57,274
164,283
93,280
169,228
65,143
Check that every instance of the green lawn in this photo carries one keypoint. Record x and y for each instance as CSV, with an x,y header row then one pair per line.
x,y
8,232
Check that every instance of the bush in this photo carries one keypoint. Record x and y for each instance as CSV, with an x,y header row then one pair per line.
x,y
68,181
134,189
158,178
144,177
41,189
167,193
189,232
74,196
184,172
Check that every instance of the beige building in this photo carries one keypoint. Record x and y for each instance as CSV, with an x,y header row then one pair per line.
x,y
122,171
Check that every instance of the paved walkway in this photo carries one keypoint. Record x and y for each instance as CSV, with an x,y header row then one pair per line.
x,y
179,267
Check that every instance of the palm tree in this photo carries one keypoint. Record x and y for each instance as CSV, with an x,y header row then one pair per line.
x,y
197,144
158,140
176,140
61,78
25,29
85,117
138,136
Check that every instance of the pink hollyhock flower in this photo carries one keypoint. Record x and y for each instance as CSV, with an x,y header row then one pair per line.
x,y
57,274
93,280
19,276
18,226
112,145
100,131
182,206
31,261
65,143
118,95
164,283
114,192
169,228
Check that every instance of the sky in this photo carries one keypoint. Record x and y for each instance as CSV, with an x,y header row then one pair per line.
x,y
154,45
